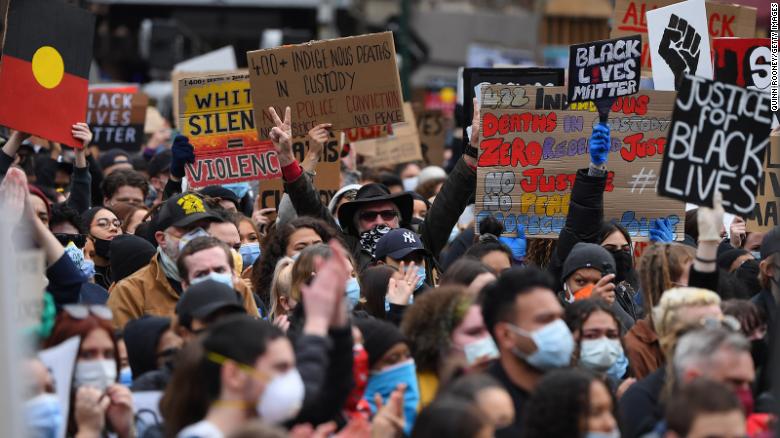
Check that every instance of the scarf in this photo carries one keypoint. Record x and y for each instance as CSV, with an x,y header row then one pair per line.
x,y
168,265
368,239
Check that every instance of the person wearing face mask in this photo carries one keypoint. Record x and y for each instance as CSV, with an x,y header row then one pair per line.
x,y
243,369
446,334
103,227
99,403
250,243
151,345
402,246
155,288
524,316
43,412
571,403
589,271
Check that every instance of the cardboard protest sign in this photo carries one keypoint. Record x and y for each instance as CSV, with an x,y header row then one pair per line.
x,y
724,20
44,71
717,143
678,43
117,119
327,178
431,126
473,77
402,146
349,82
60,361
532,147
767,215
743,61
367,133
604,69
216,114
30,284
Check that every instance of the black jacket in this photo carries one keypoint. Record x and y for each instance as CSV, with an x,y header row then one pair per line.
x,y
640,407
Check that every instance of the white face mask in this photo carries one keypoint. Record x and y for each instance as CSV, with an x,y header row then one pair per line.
x,y
99,374
600,354
282,398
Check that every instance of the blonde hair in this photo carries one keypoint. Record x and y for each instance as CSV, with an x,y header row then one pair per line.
x,y
660,265
281,284
666,316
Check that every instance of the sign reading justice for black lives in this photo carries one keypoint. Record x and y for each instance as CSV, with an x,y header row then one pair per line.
x,y
604,69
717,143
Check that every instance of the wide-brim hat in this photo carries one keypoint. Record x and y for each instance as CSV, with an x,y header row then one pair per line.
x,y
368,194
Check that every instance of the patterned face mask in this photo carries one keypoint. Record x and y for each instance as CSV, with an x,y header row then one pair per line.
x,y
368,239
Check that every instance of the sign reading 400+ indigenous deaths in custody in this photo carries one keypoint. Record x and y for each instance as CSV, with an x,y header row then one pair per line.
x,y
717,143
531,149
215,113
348,82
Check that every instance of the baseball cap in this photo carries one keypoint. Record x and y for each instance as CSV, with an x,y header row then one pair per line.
x,y
113,156
203,299
182,211
398,243
770,244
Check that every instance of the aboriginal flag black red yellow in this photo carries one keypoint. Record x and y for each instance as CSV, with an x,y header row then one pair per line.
x,y
45,67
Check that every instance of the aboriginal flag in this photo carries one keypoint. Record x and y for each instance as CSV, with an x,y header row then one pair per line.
x,y
45,67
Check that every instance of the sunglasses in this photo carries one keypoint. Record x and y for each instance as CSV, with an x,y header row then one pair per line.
x,y
81,311
387,215
78,239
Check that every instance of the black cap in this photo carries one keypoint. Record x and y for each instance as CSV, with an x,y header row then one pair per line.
x,y
159,163
379,336
182,211
727,257
588,255
203,299
397,244
770,244
374,193
241,338
219,192
129,253
112,156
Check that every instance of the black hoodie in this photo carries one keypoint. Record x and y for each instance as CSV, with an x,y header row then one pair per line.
x,y
141,339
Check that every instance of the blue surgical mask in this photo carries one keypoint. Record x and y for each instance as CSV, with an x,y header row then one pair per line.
x,y
43,416
126,376
88,269
421,275
554,346
614,434
353,293
225,278
598,355
387,380
249,253
756,255
185,239
484,348
410,183
239,189
619,368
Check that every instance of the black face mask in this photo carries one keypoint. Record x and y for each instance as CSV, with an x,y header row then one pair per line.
x,y
747,275
624,263
102,247
760,352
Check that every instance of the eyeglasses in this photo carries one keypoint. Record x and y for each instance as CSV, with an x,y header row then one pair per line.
x,y
106,223
387,215
78,239
81,311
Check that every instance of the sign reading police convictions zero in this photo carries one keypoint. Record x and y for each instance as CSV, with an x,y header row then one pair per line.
x,y
349,82
531,149
215,113
604,69
717,143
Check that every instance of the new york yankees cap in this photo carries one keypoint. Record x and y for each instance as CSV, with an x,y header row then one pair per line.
x,y
398,243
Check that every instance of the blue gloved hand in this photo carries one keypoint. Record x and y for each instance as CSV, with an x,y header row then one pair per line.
x,y
599,144
516,244
182,153
661,231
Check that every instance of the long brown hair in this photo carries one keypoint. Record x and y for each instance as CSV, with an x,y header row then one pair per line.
x,y
660,265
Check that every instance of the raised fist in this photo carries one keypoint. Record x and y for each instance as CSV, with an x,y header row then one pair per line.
x,y
680,47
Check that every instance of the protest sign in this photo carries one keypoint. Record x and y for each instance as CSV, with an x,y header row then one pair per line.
x,y
724,20
30,284
431,126
743,61
367,133
717,143
146,409
402,146
45,69
604,69
117,118
215,113
472,77
531,148
60,361
678,43
766,213
348,82
327,178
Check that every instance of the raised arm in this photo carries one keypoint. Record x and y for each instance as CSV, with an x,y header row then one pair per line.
x,y
81,181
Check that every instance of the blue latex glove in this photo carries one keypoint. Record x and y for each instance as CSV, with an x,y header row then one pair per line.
x,y
516,244
661,231
182,153
599,144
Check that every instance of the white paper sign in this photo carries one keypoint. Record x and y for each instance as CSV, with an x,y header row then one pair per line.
x,y
60,361
679,43
146,406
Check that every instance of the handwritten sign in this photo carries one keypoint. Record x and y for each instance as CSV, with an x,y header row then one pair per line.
x,y
717,143
531,148
743,61
767,215
431,126
349,82
604,69
723,20
117,118
402,146
30,285
216,114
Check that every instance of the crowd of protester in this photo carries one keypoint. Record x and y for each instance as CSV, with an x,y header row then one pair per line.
x,y
385,313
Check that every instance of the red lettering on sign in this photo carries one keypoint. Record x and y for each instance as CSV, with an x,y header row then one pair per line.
x,y
725,21
640,148
497,152
526,122
631,105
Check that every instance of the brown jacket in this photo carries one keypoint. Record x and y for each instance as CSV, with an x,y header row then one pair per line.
x,y
149,292
642,348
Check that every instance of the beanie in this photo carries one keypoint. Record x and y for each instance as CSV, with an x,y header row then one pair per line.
x,y
378,338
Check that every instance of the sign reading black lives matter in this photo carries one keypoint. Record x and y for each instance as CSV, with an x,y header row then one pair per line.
x,y
604,69
717,142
